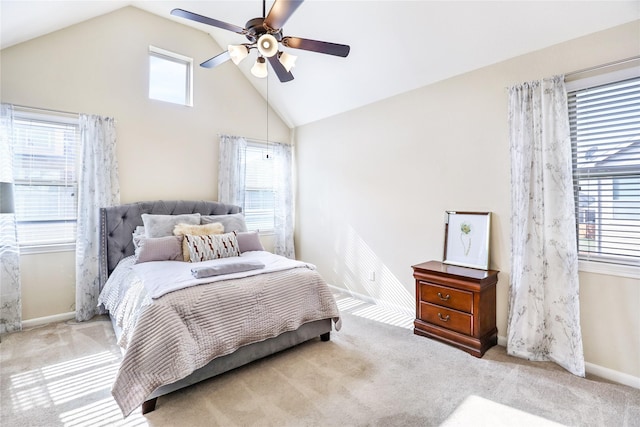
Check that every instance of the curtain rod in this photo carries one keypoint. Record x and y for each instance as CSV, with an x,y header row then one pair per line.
x,y
253,139
24,107
607,65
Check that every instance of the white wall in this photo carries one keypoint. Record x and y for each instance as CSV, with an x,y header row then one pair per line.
x,y
374,184
165,151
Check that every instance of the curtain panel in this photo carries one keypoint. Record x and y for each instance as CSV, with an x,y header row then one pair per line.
x,y
544,314
232,170
10,289
283,215
98,187
231,186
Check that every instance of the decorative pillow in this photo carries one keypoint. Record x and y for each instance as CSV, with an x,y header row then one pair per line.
x,y
195,230
249,241
231,222
166,248
203,248
162,225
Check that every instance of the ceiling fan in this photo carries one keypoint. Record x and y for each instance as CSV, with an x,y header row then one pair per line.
x,y
265,35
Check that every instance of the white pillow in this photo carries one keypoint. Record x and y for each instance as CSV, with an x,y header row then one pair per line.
x,y
231,222
163,225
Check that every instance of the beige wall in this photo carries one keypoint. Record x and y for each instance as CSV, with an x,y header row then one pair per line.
x,y
374,184
164,150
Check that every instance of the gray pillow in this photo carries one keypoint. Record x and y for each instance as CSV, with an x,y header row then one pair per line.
x,y
217,270
249,241
231,222
162,225
168,248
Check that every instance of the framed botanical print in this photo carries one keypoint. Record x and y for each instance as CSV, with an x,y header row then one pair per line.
x,y
466,239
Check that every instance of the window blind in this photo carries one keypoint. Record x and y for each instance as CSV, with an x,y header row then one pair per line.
x,y
259,204
605,134
45,178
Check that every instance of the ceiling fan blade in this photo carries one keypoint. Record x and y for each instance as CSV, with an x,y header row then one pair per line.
x,y
209,21
280,12
317,46
217,60
281,72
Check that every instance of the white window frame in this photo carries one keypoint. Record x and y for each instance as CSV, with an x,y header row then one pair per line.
x,y
167,55
604,267
253,145
62,119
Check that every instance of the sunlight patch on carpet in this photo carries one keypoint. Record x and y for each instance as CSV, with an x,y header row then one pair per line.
x,y
104,412
374,312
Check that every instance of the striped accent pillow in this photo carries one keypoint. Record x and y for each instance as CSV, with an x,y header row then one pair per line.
x,y
212,246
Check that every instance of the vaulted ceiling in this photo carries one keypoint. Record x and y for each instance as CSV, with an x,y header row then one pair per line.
x,y
396,46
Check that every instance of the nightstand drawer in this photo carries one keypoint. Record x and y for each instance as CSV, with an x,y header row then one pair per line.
x,y
446,297
445,318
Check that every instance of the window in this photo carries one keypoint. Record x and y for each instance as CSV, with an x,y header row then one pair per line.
x,y
260,195
605,132
45,178
170,76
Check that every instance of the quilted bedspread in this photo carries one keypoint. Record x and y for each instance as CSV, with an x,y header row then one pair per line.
x,y
170,337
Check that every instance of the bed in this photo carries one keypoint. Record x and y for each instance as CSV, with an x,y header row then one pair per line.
x,y
183,336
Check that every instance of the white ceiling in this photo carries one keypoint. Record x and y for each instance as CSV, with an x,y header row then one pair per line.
x,y
396,46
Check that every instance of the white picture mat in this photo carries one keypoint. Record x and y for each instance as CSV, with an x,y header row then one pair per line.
x,y
468,247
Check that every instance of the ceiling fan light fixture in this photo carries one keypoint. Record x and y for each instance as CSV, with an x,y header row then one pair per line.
x,y
287,60
259,69
267,45
238,52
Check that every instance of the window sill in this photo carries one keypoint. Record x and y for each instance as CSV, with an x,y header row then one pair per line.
x,y
42,249
609,269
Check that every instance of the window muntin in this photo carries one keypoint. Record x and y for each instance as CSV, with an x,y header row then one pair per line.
x,y
605,133
260,194
170,77
45,178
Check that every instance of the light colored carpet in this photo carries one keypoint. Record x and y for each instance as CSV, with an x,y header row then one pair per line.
x,y
374,372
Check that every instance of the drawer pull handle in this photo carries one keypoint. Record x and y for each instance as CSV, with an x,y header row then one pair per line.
x,y
445,298
444,319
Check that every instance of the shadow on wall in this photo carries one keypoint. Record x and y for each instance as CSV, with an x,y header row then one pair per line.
x,y
365,275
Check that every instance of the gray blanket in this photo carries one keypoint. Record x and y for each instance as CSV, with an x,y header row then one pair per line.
x,y
184,330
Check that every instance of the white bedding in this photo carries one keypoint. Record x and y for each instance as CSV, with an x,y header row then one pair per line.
x,y
162,277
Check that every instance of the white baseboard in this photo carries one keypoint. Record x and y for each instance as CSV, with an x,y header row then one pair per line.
x,y
39,321
611,375
599,371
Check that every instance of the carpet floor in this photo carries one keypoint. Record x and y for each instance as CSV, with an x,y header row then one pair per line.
x,y
374,372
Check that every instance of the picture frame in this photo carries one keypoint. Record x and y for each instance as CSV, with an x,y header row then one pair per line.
x,y
466,239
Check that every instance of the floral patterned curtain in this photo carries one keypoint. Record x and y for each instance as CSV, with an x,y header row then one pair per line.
x,y
284,220
544,312
10,289
97,187
231,170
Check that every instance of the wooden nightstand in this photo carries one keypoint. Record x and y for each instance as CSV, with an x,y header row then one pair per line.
x,y
456,305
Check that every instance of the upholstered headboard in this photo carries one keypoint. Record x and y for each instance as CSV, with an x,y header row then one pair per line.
x,y
117,224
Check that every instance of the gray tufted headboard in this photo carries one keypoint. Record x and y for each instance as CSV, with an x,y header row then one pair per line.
x,y
117,224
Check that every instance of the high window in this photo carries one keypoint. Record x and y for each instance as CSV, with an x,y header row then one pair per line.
x,y
260,189
170,76
45,178
604,116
